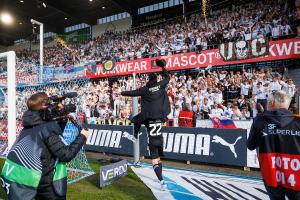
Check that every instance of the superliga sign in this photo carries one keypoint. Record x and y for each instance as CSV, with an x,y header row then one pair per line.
x,y
277,50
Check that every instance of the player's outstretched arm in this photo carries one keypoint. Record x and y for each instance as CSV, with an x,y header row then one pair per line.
x,y
165,73
133,93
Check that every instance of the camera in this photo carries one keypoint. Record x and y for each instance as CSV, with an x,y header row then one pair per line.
x,y
56,110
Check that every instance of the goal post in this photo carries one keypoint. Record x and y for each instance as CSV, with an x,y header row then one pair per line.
x,y
136,144
11,96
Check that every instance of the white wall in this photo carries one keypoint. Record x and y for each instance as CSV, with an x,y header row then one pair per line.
x,y
118,25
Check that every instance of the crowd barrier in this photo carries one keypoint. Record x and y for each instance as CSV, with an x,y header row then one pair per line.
x,y
208,145
243,125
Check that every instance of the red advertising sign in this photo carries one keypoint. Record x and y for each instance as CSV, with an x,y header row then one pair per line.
x,y
278,50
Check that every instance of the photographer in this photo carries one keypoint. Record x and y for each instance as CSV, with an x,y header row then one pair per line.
x,y
275,133
35,166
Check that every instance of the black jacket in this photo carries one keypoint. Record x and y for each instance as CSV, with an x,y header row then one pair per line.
x,y
280,118
39,148
154,100
276,134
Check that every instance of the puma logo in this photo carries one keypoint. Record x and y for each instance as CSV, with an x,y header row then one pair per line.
x,y
129,136
217,139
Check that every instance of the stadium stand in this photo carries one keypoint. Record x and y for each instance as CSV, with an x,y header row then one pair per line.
x,y
224,92
229,93
244,22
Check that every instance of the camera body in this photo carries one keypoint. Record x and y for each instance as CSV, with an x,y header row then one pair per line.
x,y
56,110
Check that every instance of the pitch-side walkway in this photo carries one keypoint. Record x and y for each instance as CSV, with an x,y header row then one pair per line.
x,y
196,185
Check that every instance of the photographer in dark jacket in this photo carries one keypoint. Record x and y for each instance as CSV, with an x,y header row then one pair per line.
x,y
155,107
36,162
276,134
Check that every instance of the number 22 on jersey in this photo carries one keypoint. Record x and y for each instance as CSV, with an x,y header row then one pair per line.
x,y
155,129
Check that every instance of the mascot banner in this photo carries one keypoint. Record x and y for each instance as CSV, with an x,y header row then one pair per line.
x,y
258,50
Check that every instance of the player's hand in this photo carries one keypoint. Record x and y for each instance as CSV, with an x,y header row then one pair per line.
x,y
161,63
260,107
85,132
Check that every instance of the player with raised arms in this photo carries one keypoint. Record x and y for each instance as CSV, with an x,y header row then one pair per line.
x,y
155,107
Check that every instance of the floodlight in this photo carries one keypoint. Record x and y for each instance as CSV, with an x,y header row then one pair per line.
x,y
6,18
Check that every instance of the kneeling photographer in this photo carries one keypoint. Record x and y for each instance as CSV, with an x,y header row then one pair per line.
x,y
35,167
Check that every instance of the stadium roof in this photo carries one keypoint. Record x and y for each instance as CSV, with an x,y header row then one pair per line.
x,y
58,14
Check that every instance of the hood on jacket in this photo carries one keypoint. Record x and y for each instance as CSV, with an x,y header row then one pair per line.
x,y
32,118
281,117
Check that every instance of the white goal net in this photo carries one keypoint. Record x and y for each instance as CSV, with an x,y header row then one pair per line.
x,y
16,86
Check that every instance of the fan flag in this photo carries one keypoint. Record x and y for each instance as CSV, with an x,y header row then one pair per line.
x,y
222,123
68,68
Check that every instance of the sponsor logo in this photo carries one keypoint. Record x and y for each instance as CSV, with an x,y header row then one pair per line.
x,y
8,168
219,140
108,65
182,143
202,185
264,133
271,126
112,172
154,89
102,121
129,136
105,138
187,143
282,132
108,138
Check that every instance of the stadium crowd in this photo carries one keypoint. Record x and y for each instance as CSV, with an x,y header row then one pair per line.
x,y
270,19
237,95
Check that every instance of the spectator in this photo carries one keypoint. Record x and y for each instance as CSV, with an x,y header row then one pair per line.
x,y
186,117
261,96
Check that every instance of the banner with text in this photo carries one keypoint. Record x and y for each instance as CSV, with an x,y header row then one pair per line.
x,y
112,172
194,144
53,74
277,50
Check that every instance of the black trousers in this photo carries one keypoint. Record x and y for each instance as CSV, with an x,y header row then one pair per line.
x,y
48,194
46,190
279,193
